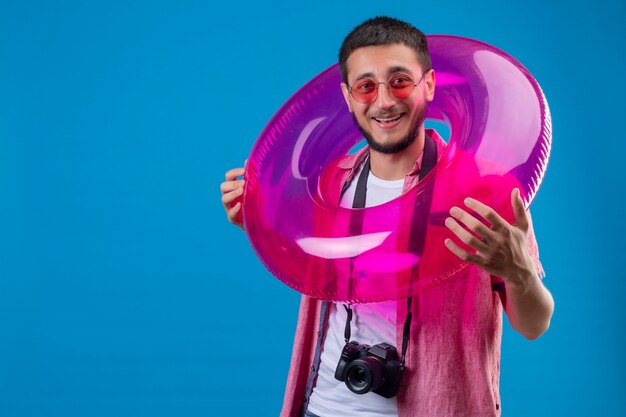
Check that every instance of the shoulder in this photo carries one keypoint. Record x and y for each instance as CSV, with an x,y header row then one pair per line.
x,y
439,142
340,171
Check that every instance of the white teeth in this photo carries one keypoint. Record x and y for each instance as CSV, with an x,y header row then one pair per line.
x,y
389,120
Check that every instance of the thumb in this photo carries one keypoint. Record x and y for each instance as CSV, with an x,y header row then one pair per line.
x,y
521,217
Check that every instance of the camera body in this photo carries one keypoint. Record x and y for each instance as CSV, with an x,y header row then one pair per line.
x,y
364,368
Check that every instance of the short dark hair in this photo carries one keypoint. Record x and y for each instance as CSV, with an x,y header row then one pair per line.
x,y
383,30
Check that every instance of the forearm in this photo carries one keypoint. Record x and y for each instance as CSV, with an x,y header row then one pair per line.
x,y
529,306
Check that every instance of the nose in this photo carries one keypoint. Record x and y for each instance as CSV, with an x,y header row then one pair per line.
x,y
384,99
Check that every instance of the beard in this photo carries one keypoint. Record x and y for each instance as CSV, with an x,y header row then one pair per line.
x,y
399,146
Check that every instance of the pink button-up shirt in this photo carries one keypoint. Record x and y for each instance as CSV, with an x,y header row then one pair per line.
x,y
453,360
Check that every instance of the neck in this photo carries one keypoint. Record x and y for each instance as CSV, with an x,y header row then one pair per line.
x,y
396,166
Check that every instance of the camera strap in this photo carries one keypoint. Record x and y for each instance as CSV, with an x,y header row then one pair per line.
x,y
416,240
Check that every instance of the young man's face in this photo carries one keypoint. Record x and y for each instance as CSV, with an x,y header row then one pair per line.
x,y
388,123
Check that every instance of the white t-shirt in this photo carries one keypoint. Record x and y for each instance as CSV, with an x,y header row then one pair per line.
x,y
371,324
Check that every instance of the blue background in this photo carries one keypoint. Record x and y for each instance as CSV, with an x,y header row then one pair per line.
x,y
123,289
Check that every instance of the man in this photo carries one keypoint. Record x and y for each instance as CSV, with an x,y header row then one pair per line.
x,y
453,340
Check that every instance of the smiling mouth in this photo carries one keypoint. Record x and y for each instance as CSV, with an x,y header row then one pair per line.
x,y
386,120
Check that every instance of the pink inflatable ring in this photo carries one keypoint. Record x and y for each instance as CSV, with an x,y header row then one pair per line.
x,y
500,139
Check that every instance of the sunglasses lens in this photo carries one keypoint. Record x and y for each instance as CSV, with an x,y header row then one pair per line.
x,y
401,86
364,90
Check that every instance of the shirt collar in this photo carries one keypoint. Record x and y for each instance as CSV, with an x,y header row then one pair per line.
x,y
354,161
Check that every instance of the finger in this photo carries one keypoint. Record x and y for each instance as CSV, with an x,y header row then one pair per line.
x,y
487,212
232,213
465,236
462,254
234,173
471,222
229,186
232,196
521,217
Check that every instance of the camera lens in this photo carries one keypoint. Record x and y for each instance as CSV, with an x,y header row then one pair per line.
x,y
364,375
358,377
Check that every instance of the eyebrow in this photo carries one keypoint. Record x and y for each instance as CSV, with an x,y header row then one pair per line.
x,y
391,70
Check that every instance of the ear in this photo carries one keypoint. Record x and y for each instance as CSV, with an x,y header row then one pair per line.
x,y
429,83
346,95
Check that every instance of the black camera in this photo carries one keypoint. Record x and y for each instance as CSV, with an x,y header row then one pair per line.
x,y
364,368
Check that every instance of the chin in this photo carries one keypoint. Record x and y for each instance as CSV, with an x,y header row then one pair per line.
x,y
389,146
